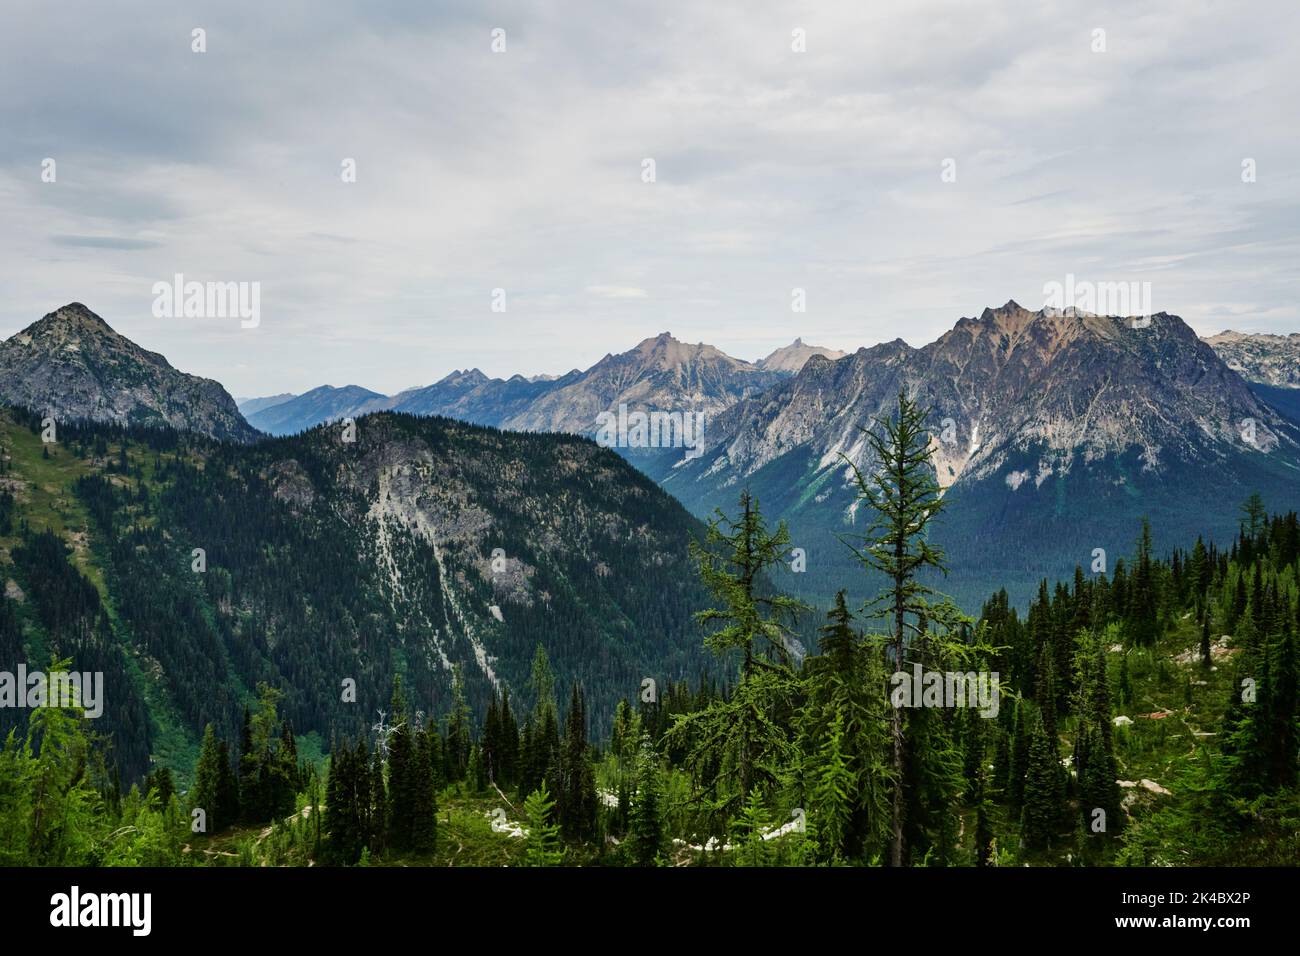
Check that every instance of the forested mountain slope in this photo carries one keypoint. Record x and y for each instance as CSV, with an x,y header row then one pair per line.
x,y
419,546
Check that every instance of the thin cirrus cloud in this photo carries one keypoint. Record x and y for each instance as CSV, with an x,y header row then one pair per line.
x,y
523,171
104,242
616,292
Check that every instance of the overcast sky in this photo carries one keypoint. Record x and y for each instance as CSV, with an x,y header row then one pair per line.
x,y
523,170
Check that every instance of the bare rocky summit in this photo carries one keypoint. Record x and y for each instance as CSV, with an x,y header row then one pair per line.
x,y
1263,359
72,365
794,356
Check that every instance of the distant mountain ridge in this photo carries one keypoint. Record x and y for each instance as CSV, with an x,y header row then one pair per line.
x,y
72,364
247,406
1262,358
659,374
319,406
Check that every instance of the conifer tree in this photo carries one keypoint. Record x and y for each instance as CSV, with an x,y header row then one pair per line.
x,y
491,743
1044,789
509,741
1019,763
1094,747
402,775
542,845
576,791
541,745
645,828
424,802
1199,575
832,792
476,772
378,830
744,738
1142,598
750,849
207,781
984,835
902,496
227,788
160,785
249,799
846,774
343,818
458,730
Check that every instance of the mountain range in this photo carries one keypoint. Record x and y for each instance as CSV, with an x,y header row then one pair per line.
x,y
1056,430
660,373
411,542
1055,433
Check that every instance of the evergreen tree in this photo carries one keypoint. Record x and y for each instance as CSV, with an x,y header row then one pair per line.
x,y
901,494
403,775
424,805
1019,764
576,790
458,730
491,743
846,772
542,846
984,835
1142,615
747,836
227,789
1044,789
509,738
832,791
344,819
378,829
207,782
743,739
160,786
645,830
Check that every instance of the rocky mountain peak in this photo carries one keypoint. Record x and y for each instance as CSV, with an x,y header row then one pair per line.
x,y
73,364
793,357
68,325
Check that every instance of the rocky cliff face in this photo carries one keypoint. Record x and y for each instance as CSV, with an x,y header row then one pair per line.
x,y
1265,359
74,366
